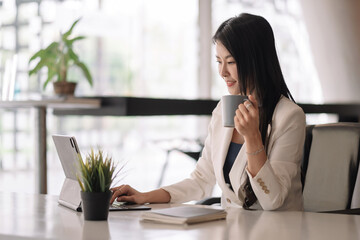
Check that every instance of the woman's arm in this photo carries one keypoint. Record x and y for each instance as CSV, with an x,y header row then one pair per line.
x,y
197,186
272,177
280,176
125,193
247,124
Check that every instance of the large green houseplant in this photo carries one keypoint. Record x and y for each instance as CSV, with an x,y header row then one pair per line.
x,y
95,176
58,57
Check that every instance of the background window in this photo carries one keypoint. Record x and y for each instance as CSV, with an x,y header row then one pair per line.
x,y
133,48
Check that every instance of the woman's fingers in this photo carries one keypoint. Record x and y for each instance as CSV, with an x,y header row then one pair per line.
x,y
126,199
119,191
116,188
246,116
243,113
115,195
125,193
248,105
253,101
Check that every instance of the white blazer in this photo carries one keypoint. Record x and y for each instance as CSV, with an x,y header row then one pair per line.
x,y
276,186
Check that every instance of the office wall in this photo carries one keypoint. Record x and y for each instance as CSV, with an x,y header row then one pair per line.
x,y
334,36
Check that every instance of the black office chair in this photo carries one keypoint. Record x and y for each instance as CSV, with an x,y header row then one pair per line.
x,y
331,167
189,147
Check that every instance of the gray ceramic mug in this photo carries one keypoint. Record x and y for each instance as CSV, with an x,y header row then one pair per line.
x,y
229,105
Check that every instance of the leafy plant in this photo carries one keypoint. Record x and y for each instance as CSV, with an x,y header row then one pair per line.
x,y
96,172
58,57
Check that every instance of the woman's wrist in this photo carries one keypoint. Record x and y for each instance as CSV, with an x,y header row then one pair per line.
x,y
256,152
146,197
253,142
156,196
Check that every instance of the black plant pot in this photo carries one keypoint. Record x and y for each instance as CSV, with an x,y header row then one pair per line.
x,y
95,205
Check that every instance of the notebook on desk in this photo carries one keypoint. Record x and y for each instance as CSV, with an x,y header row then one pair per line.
x,y
184,215
68,150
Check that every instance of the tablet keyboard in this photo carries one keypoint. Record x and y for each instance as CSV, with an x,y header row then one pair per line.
x,y
127,207
119,206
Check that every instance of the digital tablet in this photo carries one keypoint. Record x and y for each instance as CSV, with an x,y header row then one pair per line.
x,y
68,150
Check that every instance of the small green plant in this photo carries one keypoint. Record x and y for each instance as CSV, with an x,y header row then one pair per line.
x,y
58,57
96,172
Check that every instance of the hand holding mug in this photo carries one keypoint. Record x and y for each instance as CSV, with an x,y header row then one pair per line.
x,y
247,118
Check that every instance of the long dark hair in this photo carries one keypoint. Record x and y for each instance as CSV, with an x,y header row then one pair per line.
x,y
250,41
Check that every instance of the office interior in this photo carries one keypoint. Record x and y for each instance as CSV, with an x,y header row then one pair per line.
x,y
161,49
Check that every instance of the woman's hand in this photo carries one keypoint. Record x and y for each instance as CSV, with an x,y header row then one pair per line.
x,y
247,124
247,118
125,193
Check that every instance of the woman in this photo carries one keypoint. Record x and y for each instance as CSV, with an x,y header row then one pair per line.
x,y
257,163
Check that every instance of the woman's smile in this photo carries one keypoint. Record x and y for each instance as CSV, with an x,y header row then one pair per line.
x,y
230,83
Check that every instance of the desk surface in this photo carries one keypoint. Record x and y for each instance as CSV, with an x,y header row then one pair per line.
x,y
26,216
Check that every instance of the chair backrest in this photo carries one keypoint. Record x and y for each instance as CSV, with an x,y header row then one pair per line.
x,y
332,167
355,201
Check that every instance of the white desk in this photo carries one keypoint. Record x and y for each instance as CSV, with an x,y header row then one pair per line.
x,y
41,106
25,216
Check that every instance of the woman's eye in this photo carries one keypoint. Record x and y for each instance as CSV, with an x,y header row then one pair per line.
x,y
231,62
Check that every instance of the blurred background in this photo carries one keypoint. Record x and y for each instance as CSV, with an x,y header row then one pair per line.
x,y
160,49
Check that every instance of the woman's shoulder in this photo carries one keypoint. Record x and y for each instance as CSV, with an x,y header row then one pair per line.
x,y
287,110
286,105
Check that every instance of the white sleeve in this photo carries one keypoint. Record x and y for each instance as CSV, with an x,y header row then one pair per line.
x,y
272,183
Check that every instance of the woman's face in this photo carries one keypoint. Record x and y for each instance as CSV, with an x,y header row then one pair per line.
x,y
227,68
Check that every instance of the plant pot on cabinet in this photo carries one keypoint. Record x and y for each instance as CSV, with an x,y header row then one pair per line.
x,y
64,88
95,205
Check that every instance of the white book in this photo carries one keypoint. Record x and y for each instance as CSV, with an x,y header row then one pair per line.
x,y
183,215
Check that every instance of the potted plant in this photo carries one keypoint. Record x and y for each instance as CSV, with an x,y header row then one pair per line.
x,y
95,176
58,57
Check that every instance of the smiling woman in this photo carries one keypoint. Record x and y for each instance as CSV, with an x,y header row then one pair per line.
x,y
257,163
